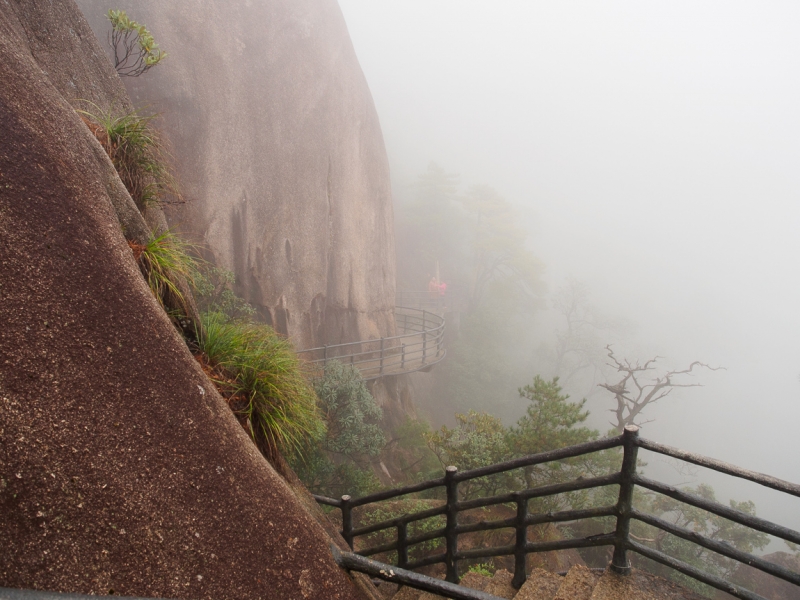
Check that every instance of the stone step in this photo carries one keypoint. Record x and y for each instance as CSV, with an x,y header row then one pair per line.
x,y
580,583
541,585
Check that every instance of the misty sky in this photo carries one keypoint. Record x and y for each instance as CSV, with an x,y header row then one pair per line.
x,y
655,150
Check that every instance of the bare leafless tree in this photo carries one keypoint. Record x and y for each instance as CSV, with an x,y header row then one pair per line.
x,y
638,388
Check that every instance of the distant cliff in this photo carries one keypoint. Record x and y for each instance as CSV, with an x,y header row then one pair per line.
x,y
280,155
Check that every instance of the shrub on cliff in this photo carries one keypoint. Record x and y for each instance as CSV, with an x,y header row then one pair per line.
x,y
264,381
138,153
339,463
135,49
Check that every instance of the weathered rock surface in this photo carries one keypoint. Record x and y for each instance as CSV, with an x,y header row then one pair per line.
x,y
121,468
280,154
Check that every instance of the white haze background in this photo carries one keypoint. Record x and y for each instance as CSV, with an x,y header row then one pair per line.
x,y
654,150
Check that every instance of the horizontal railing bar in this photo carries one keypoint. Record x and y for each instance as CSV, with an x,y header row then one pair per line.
x,y
433,336
327,501
737,516
487,525
545,490
436,323
542,457
354,562
388,547
482,502
719,547
393,493
572,486
604,539
427,561
722,467
485,552
419,367
426,537
536,519
712,580
424,514
430,345
570,515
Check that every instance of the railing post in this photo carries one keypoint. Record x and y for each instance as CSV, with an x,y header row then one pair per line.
x,y
402,356
324,356
402,545
424,338
450,535
381,356
620,562
519,547
347,521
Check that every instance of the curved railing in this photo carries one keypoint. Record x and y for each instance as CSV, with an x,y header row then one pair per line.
x,y
621,514
418,346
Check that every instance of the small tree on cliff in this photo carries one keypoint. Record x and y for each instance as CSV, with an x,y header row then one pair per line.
x,y
135,50
634,393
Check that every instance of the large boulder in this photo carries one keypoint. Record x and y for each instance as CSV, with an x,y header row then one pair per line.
x,y
280,155
121,469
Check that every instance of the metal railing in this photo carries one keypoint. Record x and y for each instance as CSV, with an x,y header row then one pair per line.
x,y
418,346
621,540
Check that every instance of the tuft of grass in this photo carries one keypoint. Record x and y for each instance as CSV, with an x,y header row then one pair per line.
x,y
265,383
164,260
137,152
485,569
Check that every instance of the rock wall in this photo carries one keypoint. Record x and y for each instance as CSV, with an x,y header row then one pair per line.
x,y
280,155
122,471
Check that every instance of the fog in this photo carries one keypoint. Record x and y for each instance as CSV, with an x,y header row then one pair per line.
x,y
652,149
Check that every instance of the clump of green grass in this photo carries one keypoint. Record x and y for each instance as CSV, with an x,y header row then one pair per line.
x,y
265,383
164,260
137,152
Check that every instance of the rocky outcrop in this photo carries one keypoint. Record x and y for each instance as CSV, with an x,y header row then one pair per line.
x,y
280,155
121,469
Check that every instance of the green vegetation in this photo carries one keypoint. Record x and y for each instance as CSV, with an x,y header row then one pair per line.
x,y
213,292
704,523
265,382
135,50
391,510
137,152
485,569
339,462
164,260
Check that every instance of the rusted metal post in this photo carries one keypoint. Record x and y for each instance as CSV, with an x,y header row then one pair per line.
x,y
347,520
519,546
381,357
402,544
450,535
620,562
402,356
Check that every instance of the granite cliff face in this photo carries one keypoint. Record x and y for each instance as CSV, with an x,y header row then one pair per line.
x,y
122,471
280,155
